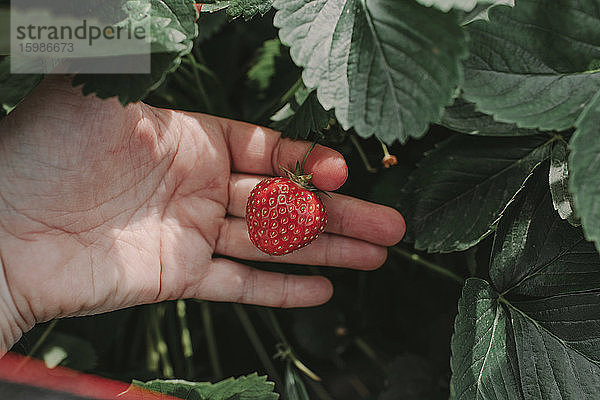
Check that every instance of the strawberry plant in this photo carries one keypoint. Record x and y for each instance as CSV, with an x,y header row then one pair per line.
x,y
492,111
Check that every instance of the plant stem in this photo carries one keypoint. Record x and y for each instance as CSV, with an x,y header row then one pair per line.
x,y
370,353
318,388
291,91
161,346
186,339
288,353
306,156
362,154
211,340
256,342
152,356
37,344
386,152
200,85
201,67
277,328
359,387
173,338
426,263
266,111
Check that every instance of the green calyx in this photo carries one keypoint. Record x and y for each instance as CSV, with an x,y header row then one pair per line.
x,y
301,179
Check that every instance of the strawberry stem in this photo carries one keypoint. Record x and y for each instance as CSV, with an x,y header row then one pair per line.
x,y
386,152
362,154
299,177
306,156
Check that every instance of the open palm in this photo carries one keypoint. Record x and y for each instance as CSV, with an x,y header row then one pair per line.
x,y
104,207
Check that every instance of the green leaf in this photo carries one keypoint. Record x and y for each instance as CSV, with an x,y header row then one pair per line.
x,y
14,87
294,387
461,188
465,5
250,387
544,341
306,117
216,6
463,117
173,29
238,8
571,318
536,253
260,103
550,279
551,367
558,177
388,67
584,164
480,11
483,367
531,64
248,8
263,68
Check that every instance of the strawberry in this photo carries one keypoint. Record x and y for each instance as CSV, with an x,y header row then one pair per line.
x,y
284,214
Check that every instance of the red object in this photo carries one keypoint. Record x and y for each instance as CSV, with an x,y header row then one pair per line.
x,y
198,7
32,372
283,216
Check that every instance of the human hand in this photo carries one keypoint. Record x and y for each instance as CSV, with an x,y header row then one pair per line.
x,y
104,207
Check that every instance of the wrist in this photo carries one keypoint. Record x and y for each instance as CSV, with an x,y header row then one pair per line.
x,y
13,321
12,324
15,315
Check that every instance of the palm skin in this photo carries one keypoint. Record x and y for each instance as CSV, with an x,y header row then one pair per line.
x,y
104,207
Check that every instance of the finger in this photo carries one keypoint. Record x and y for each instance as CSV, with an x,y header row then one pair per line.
x,y
227,280
347,216
327,250
258,150
361,219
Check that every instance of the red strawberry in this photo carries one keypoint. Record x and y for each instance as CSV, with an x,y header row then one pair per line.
x,y
283,215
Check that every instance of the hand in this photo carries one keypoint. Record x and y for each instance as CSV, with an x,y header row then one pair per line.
x,y
104,207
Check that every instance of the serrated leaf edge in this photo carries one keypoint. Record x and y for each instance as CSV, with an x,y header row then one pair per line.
x,y
494,223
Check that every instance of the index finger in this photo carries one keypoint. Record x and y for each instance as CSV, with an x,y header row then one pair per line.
x,y
258,150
